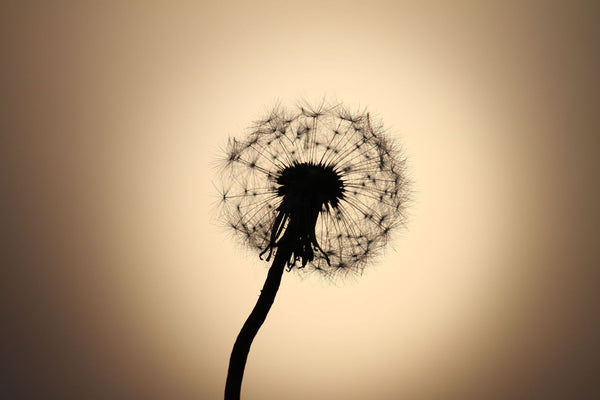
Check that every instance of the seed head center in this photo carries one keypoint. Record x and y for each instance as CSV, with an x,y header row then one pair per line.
x,y
310,186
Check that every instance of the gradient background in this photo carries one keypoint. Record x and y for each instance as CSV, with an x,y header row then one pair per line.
x,y
117,283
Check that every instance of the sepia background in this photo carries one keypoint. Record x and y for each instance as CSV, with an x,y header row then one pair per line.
x,y
118,282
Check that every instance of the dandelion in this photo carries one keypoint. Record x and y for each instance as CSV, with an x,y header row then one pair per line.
x,y
318,189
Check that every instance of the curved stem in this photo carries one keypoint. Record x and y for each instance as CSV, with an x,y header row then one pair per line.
x,y
239,354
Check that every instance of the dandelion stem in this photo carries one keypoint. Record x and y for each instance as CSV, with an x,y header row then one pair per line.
x,y
241,348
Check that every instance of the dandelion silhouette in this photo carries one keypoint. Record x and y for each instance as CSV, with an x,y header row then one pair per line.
x,y
317,189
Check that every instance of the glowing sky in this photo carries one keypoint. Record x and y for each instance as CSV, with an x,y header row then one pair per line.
x,y
121,284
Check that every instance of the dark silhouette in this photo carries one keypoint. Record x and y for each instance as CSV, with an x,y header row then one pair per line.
x,y
323,187
241,348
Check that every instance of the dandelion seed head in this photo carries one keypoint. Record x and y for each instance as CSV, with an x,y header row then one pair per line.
x,y
328,175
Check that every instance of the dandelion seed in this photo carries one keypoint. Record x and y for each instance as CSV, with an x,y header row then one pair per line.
x,y
318,189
